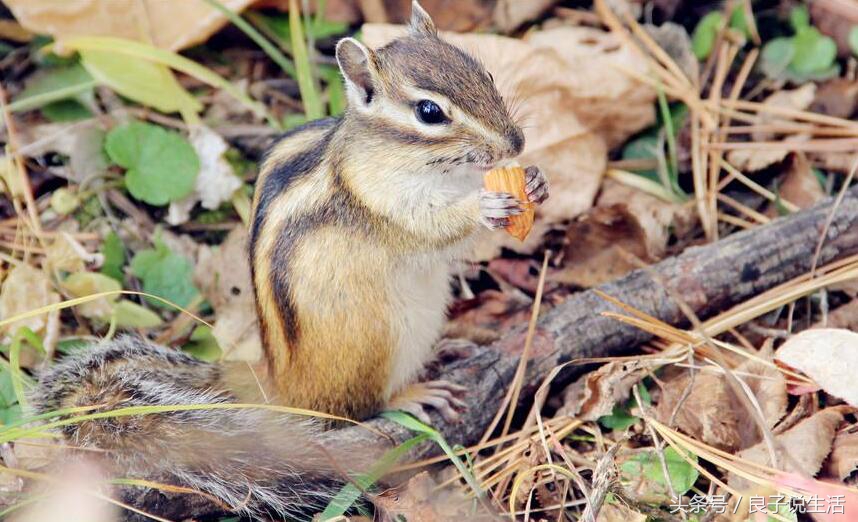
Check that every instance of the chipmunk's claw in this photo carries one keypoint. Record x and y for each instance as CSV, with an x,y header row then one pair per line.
x,y
497,207
536,184
443,396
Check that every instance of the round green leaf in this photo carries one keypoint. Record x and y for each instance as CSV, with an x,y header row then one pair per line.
x,y
776,57
162,165
131,315
705,34
813,52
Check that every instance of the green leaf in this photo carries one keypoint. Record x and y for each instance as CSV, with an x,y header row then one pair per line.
x,y
71,84
162,165
203,345
647,465
114,257
739,22
621,417
166,275
799,18
136,52
64,201
705,34
66,111
127,314
148,83
814,52
644,146
776,56
853,40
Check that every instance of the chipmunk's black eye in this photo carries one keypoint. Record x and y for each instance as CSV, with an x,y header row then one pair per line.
x,y
429,112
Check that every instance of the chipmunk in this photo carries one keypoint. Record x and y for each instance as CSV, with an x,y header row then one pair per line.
x,y
356,221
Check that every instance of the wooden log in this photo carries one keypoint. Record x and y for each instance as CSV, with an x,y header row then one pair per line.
x,y
709,278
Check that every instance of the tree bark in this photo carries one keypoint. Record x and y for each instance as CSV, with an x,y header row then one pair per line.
x,y
709,279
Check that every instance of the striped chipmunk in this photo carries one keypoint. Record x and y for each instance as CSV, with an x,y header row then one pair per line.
x,y
356,222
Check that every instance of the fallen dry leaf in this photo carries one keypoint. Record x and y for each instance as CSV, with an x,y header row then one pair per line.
x,y
799,185
769,389
26,288
617,512
657,218
705,412
597,244
801,449
169,25
595,394
510,14
843,460
845,317
829,356
419,500
837,97
567,92
223,275
753,160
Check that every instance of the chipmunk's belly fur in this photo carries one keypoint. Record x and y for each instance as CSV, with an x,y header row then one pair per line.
x,y
420,292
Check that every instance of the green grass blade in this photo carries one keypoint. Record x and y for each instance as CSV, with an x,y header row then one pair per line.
x,y
313,107
350,492
39,100
273,52
409,422
170,59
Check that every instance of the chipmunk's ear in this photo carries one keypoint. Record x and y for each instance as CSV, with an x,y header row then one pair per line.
x,y
421,22
357,64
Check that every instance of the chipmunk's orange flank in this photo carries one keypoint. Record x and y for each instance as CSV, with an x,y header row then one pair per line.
x,y
512,181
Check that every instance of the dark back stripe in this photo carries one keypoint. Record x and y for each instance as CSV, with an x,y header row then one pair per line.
x,y
283,175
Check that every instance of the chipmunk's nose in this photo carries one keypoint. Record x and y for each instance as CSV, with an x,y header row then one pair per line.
x,y
515,139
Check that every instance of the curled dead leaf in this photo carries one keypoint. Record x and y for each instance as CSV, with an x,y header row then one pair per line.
x,y
25,289
595,394
801,449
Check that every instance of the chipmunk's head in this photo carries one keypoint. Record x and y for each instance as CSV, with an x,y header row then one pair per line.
x,y
432,98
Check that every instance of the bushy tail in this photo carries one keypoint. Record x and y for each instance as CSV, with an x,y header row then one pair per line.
x,y
253,461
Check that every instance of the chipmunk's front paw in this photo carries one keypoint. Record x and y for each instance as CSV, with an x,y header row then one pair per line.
x,y
497,207
536,185
443,396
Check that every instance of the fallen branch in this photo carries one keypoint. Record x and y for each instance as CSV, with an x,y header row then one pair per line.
x,y
709,279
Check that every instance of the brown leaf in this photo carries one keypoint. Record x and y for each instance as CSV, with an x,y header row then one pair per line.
x,y
170,25
223,275
420,501
799,185
844,317
769,389
510,14
801,449
705,414
26,288
617,512
656,217
828,356
837,97
596,244
843,460
595,394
